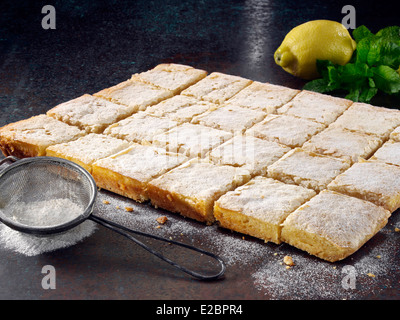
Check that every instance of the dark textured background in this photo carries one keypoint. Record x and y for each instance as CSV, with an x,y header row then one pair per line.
x,y
99,43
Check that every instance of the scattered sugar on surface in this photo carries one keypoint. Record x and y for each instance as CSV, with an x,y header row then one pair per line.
x,y
317,279
31,245
310,278
230,246
44,213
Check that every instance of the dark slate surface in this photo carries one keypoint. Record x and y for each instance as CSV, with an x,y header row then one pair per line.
x,y
99,43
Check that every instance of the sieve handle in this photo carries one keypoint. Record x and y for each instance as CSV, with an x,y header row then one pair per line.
x,y
125,232
11,159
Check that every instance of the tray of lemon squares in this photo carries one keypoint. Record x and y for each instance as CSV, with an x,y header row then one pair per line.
x,y
317,172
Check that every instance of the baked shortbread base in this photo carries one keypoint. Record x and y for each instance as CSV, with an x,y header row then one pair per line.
x,y
388,153
140,127
333,226
230,118
263,96
373,181
366,118
217,87
284,129
192,188
171,76
307,169
180,108
395,134
248,152
89,113
315,106
191,140
342,143
259,207
128,172
134,94
31,137
87,149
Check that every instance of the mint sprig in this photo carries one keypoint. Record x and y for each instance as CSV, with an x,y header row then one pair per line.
x,y
372,68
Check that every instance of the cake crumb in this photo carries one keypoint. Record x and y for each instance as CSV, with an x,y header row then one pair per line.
x,y
129,209
288,260
117,207
396,229
106,202
162,220
379,256
371,275
158,227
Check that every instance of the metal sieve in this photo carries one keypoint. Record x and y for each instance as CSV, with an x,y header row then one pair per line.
x,y
47,195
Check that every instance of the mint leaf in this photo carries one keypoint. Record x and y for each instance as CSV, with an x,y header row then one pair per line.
x,y
353,72
333,75
374,53
372,68
390,54
391,33
322,67
367,94
360,33
363,69
386,79
371,83
353,95
362,50
319,85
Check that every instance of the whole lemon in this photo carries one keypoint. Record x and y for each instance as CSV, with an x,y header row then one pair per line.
x,y
317,39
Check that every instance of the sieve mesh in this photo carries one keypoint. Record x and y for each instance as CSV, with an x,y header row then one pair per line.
x,y
45,192
47,195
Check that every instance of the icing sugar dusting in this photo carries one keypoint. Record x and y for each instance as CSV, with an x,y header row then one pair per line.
x,y
30,245
309,278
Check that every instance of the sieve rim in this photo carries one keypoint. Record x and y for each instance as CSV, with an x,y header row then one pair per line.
x,y
40,230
